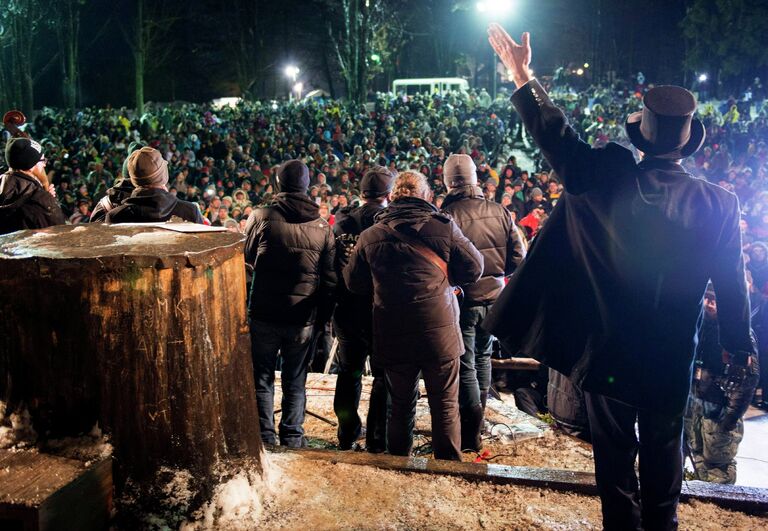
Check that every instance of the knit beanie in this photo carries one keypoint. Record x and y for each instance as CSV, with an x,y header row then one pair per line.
x,y
459,170
133,146
22,153
293,176
147,167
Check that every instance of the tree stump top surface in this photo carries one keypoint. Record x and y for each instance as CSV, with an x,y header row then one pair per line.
x,y
120,245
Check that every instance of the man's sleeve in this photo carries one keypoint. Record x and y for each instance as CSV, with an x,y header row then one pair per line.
x,y
516,249
357,272
580,167
253,235
729,280
328,279
465,265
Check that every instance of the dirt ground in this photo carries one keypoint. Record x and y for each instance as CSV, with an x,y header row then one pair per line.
x,y
536,443
319,495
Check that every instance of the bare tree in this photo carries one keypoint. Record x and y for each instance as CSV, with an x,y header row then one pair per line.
x,y
20,21
151,25
363,35
67,27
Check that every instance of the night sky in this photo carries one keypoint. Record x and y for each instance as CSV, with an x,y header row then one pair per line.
x,y
626,36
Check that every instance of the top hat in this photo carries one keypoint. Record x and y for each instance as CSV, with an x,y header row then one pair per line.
x,y
666,128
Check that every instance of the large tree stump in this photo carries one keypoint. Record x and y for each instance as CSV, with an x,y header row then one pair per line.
x,y
141,329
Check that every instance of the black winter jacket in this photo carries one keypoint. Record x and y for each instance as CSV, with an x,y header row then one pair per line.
x,y
489,227
353,312
415,313
115,197
153,205
292,251
25,205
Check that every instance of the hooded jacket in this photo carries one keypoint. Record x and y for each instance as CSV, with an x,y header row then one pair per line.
x,y
489,227
115,197
292,252
24,204
147,205
415,313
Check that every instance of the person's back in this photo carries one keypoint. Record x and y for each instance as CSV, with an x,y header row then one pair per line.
x,y
150,201
489,227
291,249
611,292
353,322
415,315
662,234
408,261
288,243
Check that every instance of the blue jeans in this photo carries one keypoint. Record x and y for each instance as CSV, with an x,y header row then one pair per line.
x,y
475,368
292,341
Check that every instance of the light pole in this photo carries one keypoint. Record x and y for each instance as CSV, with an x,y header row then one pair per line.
x,y
494,11
292,71
297,88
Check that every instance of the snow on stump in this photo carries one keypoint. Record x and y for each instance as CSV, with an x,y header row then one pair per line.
x,y
140,328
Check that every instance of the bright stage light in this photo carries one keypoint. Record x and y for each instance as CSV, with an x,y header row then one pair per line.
x,y
292,71
495,7
580,72
702,78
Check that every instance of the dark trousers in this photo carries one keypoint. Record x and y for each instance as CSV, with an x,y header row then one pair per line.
x,y
442,383
475,370
353,350
652,506
292,341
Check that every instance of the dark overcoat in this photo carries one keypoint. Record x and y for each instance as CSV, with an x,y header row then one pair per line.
x,y
415,313
611,292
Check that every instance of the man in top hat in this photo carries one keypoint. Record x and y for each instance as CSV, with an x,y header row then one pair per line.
x,y
150,200
24,202
611,292
292,252
489,226
353,322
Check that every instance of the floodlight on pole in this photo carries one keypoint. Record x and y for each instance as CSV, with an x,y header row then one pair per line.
x,y
702,78
495,7
292,72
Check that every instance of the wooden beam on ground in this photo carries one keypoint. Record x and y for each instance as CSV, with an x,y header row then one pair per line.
x,y
747,499
516,364
42,492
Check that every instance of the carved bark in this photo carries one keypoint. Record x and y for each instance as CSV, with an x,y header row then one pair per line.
x,y
142,329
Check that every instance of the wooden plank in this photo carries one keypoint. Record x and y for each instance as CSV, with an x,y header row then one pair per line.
x,y
747,499
516,364
46,492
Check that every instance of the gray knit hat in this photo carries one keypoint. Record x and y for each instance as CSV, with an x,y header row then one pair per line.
x,y
459,170
147,167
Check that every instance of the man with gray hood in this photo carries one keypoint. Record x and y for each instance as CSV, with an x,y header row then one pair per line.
x,y
489,227
151,201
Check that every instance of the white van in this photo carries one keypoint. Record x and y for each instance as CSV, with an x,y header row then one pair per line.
x,y
430,85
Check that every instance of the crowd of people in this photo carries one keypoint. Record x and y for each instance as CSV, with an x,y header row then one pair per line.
x,y
272,169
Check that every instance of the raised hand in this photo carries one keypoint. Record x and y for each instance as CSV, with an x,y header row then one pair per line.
x,y
516,57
